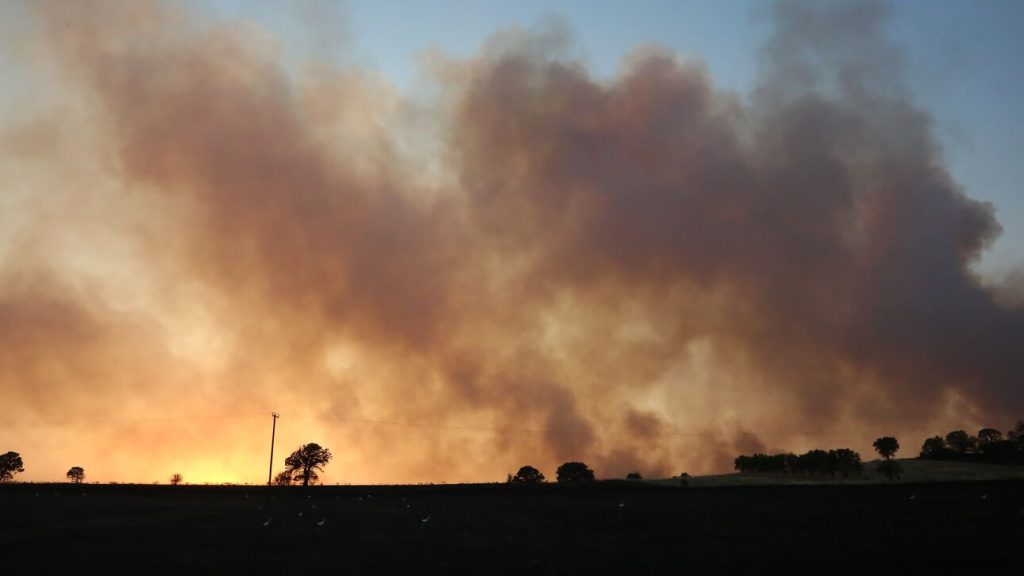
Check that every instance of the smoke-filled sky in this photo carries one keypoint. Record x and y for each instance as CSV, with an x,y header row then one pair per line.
x,y
445,261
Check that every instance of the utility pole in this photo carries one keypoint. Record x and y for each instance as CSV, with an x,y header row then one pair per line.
x,y
273,432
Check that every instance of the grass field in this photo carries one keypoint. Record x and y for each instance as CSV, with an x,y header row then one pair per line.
x,y
605,528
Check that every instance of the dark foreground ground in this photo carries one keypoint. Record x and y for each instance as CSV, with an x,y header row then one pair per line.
x,y
608,528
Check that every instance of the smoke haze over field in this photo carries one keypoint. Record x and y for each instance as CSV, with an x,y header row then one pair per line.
x,y
530,265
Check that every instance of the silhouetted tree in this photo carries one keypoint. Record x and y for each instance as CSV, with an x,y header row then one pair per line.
x,y
684,480
765,463
527,475
283,478
175,479
10,464
989,435
1016,435
304,462
933,447
76,474
845,461
961,441
814,462
1000,452
886,446
634,476
575,472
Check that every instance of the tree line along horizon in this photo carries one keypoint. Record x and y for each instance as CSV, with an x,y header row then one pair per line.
x,y
989,446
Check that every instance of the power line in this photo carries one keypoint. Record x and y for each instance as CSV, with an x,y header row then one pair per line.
x,y
89,422
437,426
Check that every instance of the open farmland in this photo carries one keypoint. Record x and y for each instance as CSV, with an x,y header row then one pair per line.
x,y
604,528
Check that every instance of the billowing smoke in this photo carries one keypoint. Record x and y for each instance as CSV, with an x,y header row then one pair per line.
x,y
530,266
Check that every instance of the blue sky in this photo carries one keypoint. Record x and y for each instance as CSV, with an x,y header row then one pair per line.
x,y
964,61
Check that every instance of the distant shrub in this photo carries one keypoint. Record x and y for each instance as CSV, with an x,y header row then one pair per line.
x,y
634,476
175,479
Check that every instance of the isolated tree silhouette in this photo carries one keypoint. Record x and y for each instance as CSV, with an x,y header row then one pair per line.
x,y
527,475
575,472
175,479
10,464
304,462
886,446
76,474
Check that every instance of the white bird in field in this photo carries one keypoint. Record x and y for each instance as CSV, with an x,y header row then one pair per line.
x,y
267,523
911,496
984,496
622,504
300,514
408,505
321,523
425,520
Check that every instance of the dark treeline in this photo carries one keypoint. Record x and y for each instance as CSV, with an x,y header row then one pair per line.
x,y
989,446
839,461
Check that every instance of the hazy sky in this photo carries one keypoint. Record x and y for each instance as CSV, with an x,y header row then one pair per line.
x,y
962,61
448,239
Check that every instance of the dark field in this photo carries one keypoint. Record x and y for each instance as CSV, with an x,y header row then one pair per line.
x,y
607,528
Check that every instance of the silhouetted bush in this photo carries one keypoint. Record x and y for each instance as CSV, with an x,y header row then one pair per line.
x,y
175,479
575,472
634,476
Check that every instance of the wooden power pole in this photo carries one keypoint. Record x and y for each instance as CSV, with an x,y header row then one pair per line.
x,y
273,432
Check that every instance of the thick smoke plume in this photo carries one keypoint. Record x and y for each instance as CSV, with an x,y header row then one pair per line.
x,y
530,266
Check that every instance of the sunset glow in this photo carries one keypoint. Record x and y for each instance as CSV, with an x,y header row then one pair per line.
x,y
513,258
